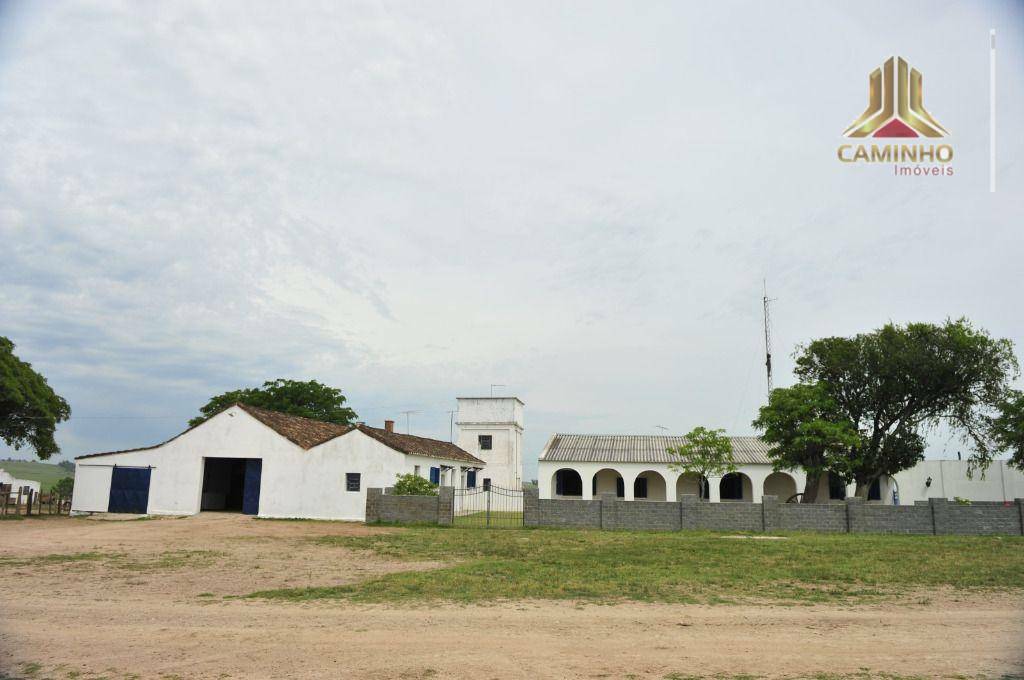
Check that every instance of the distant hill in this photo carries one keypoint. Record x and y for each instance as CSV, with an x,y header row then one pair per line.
x,y
47,474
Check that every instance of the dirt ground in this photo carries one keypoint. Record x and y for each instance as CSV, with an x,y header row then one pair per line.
x,y
150,602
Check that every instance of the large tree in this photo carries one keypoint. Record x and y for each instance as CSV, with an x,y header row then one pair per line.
x,y
895,383
807,430
29,408
704,453
309,399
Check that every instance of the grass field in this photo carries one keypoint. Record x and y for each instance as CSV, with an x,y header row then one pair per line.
x,y
47,474
673,566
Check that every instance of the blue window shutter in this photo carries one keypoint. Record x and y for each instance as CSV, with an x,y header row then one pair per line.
x,y
435,475
471,479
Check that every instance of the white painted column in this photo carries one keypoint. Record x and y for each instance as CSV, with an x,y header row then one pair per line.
x,y
628,480
588,483
714,491
670,488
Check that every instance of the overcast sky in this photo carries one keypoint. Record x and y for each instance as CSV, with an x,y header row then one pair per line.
x,y
411,201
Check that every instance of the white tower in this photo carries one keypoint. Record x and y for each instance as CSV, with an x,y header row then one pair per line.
x,y
491,428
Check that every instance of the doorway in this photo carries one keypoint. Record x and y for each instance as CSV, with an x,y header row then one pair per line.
x,y
232,485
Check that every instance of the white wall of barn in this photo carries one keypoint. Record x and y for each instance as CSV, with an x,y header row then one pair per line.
x,y
294,482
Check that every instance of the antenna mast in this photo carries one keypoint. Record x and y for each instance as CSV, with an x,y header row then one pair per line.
x,y
768,335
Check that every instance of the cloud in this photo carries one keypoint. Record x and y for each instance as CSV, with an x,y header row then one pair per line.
x,y
415,201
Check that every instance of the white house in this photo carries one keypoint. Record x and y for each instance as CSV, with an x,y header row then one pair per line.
x,y
7,479
491,428
637,467
264,463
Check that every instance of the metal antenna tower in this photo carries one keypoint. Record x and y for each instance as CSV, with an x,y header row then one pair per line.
x,y
407,414
768,335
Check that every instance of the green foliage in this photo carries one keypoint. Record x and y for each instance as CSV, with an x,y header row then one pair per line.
x,y
67,465
47,474
807,430
29,408
706,453
309,399
64,487
1008,427
894,383
414,485
674,566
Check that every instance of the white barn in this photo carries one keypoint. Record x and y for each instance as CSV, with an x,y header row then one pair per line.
x,y
637,467
264,463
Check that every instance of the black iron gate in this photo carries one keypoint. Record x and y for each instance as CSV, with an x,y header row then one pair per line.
x,y
488,506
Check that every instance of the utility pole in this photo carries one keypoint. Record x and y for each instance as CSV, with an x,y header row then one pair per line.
x,y
768,335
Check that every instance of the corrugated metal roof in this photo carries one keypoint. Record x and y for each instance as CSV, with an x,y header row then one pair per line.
x,y
634,448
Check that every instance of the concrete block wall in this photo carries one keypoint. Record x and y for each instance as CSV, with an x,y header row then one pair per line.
x,y
383,506
938,516
826,517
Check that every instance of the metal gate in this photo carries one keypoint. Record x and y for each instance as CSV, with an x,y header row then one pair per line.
x,y
488,506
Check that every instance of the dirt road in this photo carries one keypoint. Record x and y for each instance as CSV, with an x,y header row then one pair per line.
x,y
147,599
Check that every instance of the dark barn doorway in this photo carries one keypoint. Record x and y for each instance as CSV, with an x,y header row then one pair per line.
x,y
232,485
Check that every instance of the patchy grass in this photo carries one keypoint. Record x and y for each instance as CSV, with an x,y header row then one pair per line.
x,y
172,559
611,566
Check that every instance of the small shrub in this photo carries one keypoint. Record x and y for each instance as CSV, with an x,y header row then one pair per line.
x,y
414,485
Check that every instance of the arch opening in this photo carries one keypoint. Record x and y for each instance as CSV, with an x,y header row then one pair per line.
x,y
649,486
781,485
567,482
736,486
692,483
608,481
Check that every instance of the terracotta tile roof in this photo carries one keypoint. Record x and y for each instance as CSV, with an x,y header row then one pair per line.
x,y
307,433
420,446
304,432
626,448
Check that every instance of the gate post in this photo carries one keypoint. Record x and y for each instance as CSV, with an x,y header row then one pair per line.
x,y
445,505
489,492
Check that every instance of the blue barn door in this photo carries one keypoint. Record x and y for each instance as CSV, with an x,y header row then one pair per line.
x,y
251,492
129,490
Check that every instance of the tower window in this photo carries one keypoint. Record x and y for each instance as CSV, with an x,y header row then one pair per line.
x,y
484,440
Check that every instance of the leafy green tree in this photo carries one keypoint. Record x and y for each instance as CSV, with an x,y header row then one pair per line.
x,y
894,383
705,453
1008,427
807,430
414,485
64,487
29,408
66,465
309,399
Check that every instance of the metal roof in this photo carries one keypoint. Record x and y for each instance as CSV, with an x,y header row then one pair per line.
x,y
634,448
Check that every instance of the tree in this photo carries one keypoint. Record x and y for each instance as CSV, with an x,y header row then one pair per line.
x,y
705,453
414,485
66,465
29,408
308,399
807,430
1008,427
895,383
64,487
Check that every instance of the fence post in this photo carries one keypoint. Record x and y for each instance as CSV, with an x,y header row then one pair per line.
x,y
940,523
17,508
769,513
1020,511
531,506
688,508
373,505
854,507
608,509
445,505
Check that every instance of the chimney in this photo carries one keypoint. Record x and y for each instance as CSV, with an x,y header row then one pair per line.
x,y
389,425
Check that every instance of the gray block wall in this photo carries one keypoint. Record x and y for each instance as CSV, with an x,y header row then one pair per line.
x,y
938,516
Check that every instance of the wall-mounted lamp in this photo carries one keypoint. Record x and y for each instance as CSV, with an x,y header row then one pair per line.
x,y
928,482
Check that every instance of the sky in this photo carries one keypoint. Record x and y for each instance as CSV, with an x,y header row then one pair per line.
x,y
580,202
